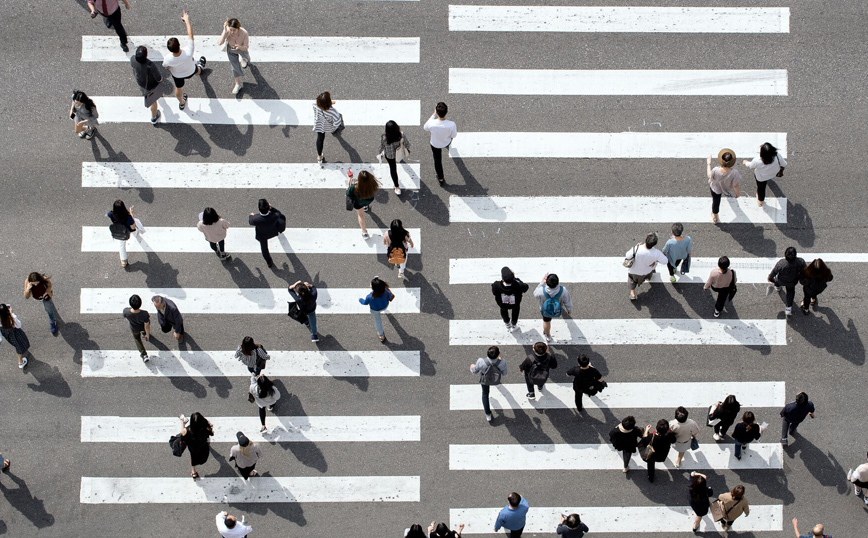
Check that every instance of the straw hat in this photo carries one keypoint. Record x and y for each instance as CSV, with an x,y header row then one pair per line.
x,y
724,162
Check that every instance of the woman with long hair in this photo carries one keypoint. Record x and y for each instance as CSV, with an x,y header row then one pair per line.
x,y
85,115
699,492
126,223
10,329
195,434
214,227
252,355
326,119
237,44
726,411
38,286
390,142
362,192
814,279
722,179
264,394
765,167
397,238
304,294
378,300
442,530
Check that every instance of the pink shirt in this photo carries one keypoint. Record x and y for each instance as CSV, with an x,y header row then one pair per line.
x,y
216,232
106,7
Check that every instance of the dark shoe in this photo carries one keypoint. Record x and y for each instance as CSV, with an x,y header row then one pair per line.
x,y
155,119
6,464
53,329
442,180
90,134
183,105
124,47
314,338
202,62
805,309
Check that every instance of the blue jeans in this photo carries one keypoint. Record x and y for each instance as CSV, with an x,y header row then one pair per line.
x,y
48,305
378,321
738,448
485,404
311,322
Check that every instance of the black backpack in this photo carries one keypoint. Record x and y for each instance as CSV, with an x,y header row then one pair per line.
x,y
539,373
120,231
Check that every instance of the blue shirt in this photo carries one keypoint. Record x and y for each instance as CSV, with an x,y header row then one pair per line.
x,y
378,303
512,519
677,250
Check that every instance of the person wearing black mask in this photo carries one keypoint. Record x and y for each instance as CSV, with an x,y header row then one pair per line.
x,y
507,294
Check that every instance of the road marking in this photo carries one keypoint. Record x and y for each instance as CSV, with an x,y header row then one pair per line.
x,y
618,519
391,50
243,240
705,20
613,209
621,395
281,429
243,300
634,331
245,112
618,81
627,145
164,175
260,489
169,363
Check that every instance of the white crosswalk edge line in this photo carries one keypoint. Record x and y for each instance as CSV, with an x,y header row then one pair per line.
x,y
260,489
598,332
243,301
621,395
169,363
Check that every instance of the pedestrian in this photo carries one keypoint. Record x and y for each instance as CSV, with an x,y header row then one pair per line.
x,y
111,15
442,530
699,492
214,227
326,119
537,367
395,147
415,531
793,414
360,193
140,324
304,294
442,131
554,299
195,434
571,526
148,78
733,504
264,394
859,478
655,445
816,531
722,179
83,112
768,165
169,317
252,355
229,527
398,244
721,280
378,300
10,329
625,438
677,250
508,292
38,286
586,380
491,370
245,455
722,414
786,273
814,279
745,432
180,63
123,223
685,429
269,223
7,463
237,43
513,516
641,262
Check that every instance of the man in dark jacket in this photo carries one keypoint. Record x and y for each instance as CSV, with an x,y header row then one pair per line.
x,y
786,273
536,368
148,78
586,380
507,294
269,222
169,317
793,414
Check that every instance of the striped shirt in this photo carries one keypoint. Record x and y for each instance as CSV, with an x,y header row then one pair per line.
x,y
389,149
326,121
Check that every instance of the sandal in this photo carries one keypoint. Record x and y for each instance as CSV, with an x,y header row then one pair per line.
x,y
195,475
382,337
6,464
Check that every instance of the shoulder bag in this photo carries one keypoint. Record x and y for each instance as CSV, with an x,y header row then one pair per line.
x,y
711,418
628,262
350,197
401,150
178,445
647,451
294,312
781,171
732,288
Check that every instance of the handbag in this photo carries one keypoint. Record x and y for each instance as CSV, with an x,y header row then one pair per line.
x,y
400,151
716,508
294,312
628,262
781,171
711,418
694,444
732,288
685,265
350,197
177,444
647,451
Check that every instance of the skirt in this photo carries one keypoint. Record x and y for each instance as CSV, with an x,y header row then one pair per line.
x,y
199,453
17,338
682,447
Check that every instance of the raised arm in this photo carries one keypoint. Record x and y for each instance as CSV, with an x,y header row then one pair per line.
x,y
186,18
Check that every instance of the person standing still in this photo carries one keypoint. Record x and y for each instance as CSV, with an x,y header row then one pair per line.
x,y
554,299
169,317
786,273
214,227
491,370
721,280
814,279
38,286
793,414
677,250
645,259
237,44
508,292
326,119
378,300
586,380
140,324
148,78
229,527
513,516
767,166
722,179
859,478
625,438
111,13
10,329
536,368
180,62
442,131
269,223
394,146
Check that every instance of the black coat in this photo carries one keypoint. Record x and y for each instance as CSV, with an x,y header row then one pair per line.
x,y
661,444
814,286
625,441
172,317
268,226
517,289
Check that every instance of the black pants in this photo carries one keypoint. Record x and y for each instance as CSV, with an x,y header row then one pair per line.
x,y
651,468
218,247
529,383
579,396
673,267
262,415
626,456
393,170
320,140
438,162
115,20
722,295
760,190
790,294
504,313
168,328
516,534
806,302
715,202
263,245
245,471
721,427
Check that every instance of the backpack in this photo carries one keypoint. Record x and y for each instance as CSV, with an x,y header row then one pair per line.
x,y
397,256
551,308
539,374
120,231
491,375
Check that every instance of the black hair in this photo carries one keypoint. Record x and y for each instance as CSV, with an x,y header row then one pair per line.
x,y
209,216
82,97
573,521
723,263
801,398
135,302
264,386
790,254
120,212
698,488
233,23
324,100
768,153
199,426
441,109
416,531
6,319
397,233
748,418
303,293
378,287
393,132
662,426
264,206
681,414
583,360
540,348
230,523
552,281
514,499
650,240
731,403
173,45
493,352
677,229
628,422
247,345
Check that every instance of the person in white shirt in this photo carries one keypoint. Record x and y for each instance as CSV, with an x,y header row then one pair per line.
x,y
180,63
765,167
442,132
229,527
645,259
859,478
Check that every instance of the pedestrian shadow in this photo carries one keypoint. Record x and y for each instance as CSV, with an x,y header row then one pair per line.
x,y
158,274
3,528
190,142
224,136
330,343
429,204
827,332
471,187
427,365
308,454
49,379
22,500
751,238
279,112
286,510
435,300
220,384
823,466
351,151
75,337
799,225
658,300
242,276
146,194
186,383
526,429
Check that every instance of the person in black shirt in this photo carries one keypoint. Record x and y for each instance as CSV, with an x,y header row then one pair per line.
x,y
507,294
148,78
793,414
140,324
726,411
269,222
814,279
625,437
699,494
586,380
536,368
745,432
786,273
661,440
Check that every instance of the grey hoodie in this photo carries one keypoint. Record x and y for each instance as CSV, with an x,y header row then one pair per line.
x,y
566,302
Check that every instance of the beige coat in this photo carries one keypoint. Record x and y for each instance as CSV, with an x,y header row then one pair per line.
x,y
735,508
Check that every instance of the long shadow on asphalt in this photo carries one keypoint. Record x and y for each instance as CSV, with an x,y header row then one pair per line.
x,y
227,137
49,379
308,454
146,194
187,384
827,331
75,336
427,365
799,225
22,500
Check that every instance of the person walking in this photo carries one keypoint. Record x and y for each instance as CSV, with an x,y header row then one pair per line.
x,y
237,42
326,119
491,370
378,300
395,147
571,526
677,250
685,429
722,415
554,299
698,493
625,438
414,531
659,441
441,530
123,223
85,115
733,504
264,394
745,432
214,227
508,292
786,273
768,165
793,414
537,367
10,329
148,78
195,434
304,294
641,261
816,532
180,62
722,179
245,455
398,244
859,478
586,380
721,280
252,355
111,15
814,279
38,286
7,463
140,324
442,131
361,192
169,317
269,223
513,516
229,527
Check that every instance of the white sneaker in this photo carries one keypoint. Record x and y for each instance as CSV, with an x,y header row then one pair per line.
x,y
236,89
625,469
789,311
548,338
508,327
488,417
400,273
513,328
243,63
145,358
23,363
397,191
716,437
